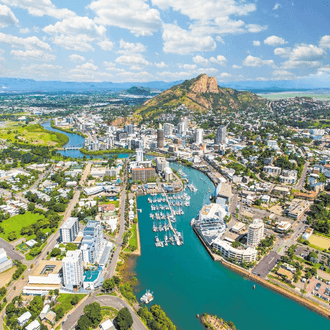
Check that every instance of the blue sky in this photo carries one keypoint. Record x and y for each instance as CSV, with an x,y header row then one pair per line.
x,y
140,40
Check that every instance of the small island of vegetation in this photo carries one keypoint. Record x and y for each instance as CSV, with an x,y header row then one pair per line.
x,y
213,322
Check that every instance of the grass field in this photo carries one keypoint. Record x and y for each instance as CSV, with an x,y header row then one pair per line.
x,y
322,242
32,134
133,240
64,301
17,222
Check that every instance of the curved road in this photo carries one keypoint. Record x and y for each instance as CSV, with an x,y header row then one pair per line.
x,y
105,300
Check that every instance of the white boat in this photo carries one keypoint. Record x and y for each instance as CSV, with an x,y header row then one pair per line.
x,y
147,297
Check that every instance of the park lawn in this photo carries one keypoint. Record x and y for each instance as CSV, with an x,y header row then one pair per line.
x,y
133,240
17,222
108,313
32,134
320,241
64,301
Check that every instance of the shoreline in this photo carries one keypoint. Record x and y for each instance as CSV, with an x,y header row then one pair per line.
x,y
253,278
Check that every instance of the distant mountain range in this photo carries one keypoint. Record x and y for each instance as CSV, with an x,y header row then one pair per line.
x,y
200,94
12,85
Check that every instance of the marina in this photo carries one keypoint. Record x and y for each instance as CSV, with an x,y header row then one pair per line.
x,y
165,208
201,285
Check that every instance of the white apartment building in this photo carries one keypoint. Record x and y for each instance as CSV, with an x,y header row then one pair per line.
x,y
272,170
229,252
255,233
69,230
161,164
73,269
220,137
168,129
139,155
199,136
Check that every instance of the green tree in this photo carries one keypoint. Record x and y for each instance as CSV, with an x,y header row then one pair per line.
x,y
93,312
12,236
124,319
59,313
55,252
31,207
36,305
108,284
74,300
84,323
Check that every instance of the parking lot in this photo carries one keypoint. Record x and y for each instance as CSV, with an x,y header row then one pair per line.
x,y
266,264
319,289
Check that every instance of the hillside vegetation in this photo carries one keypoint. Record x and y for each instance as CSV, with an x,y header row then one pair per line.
x,y
200,94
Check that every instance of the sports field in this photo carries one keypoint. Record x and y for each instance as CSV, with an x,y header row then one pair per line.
x,y
322,242
17,222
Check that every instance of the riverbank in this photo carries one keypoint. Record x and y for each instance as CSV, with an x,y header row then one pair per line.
x,y
105,152
212,322
247,274
67,130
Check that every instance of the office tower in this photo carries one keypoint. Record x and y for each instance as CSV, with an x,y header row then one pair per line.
x,y
139,155
221,135
160,138
168,129
199,136
129,129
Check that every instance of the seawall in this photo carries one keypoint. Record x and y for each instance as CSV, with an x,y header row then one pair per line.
x,y
245,273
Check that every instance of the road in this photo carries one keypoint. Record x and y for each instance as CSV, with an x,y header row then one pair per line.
x,y
10,250
300,184
107,300
112,264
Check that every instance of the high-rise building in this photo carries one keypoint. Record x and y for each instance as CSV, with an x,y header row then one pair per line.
x,y
161,164
92,242
69,230
139,155
129,129
73,270
168,129
221,135
255,233
160,138
143,174
181,128
199,136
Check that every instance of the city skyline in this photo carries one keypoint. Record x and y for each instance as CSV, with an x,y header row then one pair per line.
x,y
157,40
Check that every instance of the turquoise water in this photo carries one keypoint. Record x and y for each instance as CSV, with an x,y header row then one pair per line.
x,y
75,140
187,282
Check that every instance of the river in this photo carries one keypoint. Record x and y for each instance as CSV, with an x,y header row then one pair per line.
x,y
186,281
74,141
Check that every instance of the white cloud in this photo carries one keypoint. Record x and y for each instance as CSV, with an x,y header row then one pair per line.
x,y
235,66
325,42
256,43
34,54
131,60
106,45
190,67
136,16
76,58
207,9
7,17
200,60
255,28
224,75
291,64
24,30
275,41
307,52
252,61
161,65
78,33
282,73
183,42
283,52
40,8
88,66
220,59
277,6
28,43
130,47
219,39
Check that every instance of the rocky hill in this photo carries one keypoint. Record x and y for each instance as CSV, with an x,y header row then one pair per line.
x,y
200,94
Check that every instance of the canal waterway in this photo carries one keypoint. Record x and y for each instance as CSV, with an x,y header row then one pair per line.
x,y
187,282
